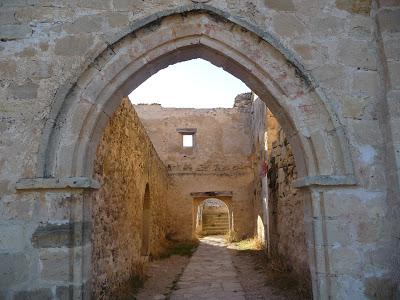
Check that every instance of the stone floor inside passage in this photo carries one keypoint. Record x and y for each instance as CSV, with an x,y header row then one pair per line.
x,y
217,270
210,274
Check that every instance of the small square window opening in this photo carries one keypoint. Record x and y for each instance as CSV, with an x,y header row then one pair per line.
x,y
187,140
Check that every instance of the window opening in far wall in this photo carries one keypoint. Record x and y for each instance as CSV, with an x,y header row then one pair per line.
x,y
187,136
187,140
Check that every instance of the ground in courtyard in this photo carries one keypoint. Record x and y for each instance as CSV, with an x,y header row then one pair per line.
x,y
219,271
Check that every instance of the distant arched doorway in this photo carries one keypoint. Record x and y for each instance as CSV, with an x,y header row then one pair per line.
x,y
146,223
213,217
200,198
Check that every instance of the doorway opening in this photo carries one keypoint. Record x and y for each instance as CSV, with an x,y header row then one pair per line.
x,y
212,217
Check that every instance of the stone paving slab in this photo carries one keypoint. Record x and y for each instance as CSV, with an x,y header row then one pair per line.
x,y
210,274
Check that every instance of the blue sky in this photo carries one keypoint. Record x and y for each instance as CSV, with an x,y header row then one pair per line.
x,y
195,83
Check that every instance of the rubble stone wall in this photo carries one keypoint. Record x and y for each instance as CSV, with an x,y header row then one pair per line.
x,y
287,239
126,162
259,134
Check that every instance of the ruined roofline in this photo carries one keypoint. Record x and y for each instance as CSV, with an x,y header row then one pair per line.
x,y
150,106
242,100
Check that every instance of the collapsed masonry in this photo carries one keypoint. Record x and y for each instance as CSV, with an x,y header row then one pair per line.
x,y
225,160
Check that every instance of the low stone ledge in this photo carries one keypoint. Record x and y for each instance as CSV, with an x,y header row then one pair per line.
x,y
324,180
57,183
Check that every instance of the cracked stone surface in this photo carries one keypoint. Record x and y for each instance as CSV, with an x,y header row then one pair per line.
x,y
210,274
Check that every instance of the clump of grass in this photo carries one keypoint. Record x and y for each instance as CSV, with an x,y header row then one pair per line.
x,y
249,244
279,264
135,282
184,248
231,236
199,233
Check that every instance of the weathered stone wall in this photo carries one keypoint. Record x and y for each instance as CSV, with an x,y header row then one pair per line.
x,y
387,18
286,228
126,162
348,50
221,159
259,135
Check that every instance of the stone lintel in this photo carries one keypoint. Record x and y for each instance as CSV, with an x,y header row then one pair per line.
x,y
57,183
186,130
211,194
324,180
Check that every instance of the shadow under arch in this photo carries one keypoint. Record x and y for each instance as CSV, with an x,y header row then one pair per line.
x,y
318,141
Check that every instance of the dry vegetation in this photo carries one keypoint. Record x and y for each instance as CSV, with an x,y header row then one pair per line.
x,y
160,276
231,236
264,278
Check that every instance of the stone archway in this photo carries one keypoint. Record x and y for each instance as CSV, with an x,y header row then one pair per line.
x,y
319,142
200,197
213,217
309,122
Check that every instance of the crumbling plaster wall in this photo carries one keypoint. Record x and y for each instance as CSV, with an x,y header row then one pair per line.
x,y
221,159
126,161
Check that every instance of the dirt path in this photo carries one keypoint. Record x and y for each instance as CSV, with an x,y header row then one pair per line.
x,y
218,271
210,274
162,277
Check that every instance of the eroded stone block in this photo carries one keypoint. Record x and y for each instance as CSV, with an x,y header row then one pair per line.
x,y
12,237
56,264
389,20
14,32
357,54
27,90
64,292
281,5
394,73
38,294
14,269
85,24
73,45
287,25
61,235
355,6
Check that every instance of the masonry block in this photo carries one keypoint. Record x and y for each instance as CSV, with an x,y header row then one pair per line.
x,y
61,235
14,32
37,294
14,269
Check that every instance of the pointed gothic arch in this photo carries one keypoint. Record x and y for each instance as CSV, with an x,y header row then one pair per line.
x,y
319,142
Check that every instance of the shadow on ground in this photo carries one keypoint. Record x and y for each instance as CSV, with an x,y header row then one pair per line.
x,y
263,279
